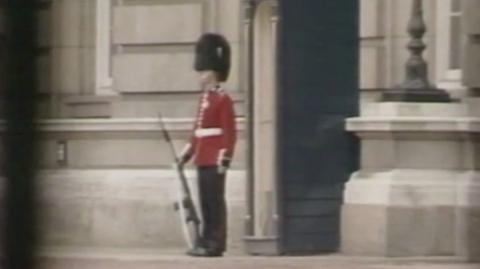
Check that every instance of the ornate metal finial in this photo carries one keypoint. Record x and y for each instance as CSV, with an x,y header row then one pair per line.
x,y
416,67
416,87
248,10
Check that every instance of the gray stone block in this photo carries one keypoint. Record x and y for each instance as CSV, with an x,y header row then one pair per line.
x,y
159,23
397,231
123,209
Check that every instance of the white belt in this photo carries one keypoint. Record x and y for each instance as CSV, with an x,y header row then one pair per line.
x,y
205,132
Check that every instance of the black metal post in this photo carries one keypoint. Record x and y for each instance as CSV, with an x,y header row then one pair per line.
x,y
416,87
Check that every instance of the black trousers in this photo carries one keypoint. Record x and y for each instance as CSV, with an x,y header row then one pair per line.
x,y
211,186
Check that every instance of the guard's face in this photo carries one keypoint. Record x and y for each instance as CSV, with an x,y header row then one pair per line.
x,y
207,77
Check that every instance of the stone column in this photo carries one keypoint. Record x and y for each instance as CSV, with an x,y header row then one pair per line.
x,y
471,30
103,48
415,191
263,211
468,211
72,56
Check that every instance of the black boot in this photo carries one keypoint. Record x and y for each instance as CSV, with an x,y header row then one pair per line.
x,y
203,252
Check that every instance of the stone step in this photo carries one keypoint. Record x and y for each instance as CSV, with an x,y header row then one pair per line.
x,y
175,259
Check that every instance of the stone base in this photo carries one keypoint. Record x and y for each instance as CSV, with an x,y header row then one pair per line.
x,y
467,217
416,95
411,213
468,238
130,209
265,246
396,231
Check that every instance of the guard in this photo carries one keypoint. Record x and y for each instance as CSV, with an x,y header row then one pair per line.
x,y
212,142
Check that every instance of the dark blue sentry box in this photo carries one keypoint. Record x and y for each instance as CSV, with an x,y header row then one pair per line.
x,y
318,88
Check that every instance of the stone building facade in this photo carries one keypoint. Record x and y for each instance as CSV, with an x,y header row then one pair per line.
x,y
416,192
108,67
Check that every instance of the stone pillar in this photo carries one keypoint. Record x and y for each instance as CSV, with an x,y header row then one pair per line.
x,y
471,29
416,191
263,212
72,54
373,47
468,211
418,171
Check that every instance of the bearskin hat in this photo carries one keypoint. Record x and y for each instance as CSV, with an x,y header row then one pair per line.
x,y
212,52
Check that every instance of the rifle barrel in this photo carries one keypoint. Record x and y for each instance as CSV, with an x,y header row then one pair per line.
x,y
166,135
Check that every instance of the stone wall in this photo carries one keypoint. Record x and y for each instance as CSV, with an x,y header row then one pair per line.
x,y
117,143
123,209
152,50
109,183
131,58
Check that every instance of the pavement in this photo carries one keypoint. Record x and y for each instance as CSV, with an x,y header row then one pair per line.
x,y
175,259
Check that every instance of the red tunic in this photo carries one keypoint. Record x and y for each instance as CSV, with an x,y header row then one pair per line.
x,y
214,132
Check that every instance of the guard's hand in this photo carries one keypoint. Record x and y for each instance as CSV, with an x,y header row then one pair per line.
x,y
183,159
178,166
186,154
223,166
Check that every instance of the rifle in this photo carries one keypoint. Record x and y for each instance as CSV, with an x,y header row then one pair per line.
x,y
185,205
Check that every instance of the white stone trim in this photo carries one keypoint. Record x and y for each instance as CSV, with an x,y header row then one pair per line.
x,y
419,110
126,124
414,124
414,188
104,80
118,125
446,78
